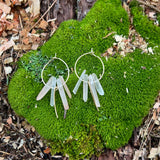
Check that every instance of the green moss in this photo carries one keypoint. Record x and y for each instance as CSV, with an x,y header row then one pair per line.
x,y
85,131
144,26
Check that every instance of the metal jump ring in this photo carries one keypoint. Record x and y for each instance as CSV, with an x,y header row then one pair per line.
x,y
45,67
92,53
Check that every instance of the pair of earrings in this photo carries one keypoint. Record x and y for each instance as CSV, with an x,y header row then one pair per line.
x,y
60,84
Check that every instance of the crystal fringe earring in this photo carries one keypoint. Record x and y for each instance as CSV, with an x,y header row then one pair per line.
x,y
56,84
92,81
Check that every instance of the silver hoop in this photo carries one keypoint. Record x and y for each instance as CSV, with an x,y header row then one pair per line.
x,y
47,64
92,53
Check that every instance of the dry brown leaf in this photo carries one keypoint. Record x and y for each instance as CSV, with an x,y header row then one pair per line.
x,y
156,105
155,113
9,120
35,7
25,41
6,46
47,150
23,47
9,26
24,33
8,2
33,31
8,60
5,8
35,46
43,24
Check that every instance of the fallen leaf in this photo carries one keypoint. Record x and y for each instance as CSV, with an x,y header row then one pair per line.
x,y
24,33
154,117
153,152
7,69
9,26
9,16
26,41
23,47
43,24
21,144
6,46
8,60
9,120
47,150
35,46
156,105
35,7
5,8
8,3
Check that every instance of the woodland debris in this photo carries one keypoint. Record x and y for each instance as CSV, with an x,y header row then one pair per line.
x,y
43,24
8,69
5,8
35,7
8,60
6,46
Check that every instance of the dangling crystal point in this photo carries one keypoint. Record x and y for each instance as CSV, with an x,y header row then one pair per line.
x,y
79,82
62,94
65,87
45,89
93,91
52,100
85,87
98,85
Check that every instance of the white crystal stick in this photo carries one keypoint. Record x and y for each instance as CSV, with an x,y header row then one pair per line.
x,y
79,82
45,89
85,87
62,94
93,92
52,99
65,87
98,85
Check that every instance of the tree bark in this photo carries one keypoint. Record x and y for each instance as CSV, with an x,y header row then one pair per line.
x,y
66,9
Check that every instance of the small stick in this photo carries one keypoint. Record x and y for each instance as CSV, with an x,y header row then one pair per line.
x,y
149,5
44,14
108,35
21,22
5,153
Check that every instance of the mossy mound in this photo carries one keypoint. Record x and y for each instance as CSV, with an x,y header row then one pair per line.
x,y
85,131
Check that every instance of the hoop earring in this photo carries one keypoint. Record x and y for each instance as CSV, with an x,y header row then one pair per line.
x,y
56,84
92,81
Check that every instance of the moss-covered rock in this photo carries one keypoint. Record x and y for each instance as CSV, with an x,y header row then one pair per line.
x,y
85,131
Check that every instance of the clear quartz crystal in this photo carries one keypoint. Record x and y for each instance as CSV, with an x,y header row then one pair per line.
x,y
93,91
62,94
52,100
45,89
98,85
65,87
85,88
79,82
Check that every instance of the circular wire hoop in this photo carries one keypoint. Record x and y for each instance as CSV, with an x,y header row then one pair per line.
x,y
45,67
92,53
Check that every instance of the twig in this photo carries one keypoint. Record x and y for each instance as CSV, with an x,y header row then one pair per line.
x,y
156,9
109,34
20,20
5,153
44,14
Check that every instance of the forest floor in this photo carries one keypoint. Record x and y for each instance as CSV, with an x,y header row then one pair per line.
x,y
20,32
